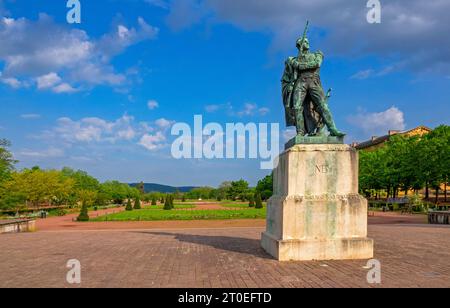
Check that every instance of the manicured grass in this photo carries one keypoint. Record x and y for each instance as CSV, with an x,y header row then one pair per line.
x,y
238,205
177,206
159,215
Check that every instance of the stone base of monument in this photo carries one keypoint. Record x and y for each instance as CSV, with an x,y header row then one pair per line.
x,y
316,212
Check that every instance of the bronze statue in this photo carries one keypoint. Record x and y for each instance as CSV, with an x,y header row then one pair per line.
x,y
304,100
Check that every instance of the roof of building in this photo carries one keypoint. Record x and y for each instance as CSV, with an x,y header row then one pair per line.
x,y
379,140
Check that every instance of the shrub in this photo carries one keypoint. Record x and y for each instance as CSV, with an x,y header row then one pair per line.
x,y
258,201
171,199
129,206
167,204
84,216
252,201
154,201
61,212
137,204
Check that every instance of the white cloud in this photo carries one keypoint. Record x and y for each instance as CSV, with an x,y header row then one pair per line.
x,y
58,56
48,81
212,108
163,123
94,74
153,142
116,42
249,109
49,153
364,74
30,116
264,111
152,104
158,3
228,107
64,88
126,134
12,82
93,130
378,123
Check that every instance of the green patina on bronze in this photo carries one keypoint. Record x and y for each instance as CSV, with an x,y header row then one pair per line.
x,y
314,140
305,101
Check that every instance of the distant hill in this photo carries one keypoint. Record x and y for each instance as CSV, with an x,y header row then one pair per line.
x,y
151,187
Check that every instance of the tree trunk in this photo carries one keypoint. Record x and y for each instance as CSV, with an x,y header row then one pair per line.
x,y
427,191
445,191
437,195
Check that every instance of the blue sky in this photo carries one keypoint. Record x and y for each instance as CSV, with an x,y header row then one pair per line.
x,y
86,95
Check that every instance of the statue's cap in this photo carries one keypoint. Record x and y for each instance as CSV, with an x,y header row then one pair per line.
x,y
301,40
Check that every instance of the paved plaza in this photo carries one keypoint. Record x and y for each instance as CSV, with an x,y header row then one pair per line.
x,y
411,254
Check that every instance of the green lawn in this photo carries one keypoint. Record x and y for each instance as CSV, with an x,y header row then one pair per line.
x,y
237,205
159,215
177,206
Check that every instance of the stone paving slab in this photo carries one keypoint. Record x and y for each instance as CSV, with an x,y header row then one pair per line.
x,y
411,256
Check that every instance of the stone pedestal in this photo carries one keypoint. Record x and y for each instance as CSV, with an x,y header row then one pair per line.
x,y
316,212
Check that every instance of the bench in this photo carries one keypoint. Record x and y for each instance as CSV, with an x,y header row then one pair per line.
x,y
439,218
404,204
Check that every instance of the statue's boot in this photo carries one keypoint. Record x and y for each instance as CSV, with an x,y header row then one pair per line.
x,y
328,120
300,123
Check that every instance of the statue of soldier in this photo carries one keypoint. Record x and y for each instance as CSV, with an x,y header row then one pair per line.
x,y
304,99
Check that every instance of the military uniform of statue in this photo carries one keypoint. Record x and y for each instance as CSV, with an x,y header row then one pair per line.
x,y
305,101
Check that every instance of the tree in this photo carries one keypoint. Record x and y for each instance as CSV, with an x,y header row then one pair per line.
x,y
200,193
172,199
223,191
437,149
129,206
265,187
87,197
84,213
154,201
141,188
117,191
103,199
137,204
238,189
82,180
40,186
167,204
406,163
12,200
183,199
7,161
177,194
258,201
252,201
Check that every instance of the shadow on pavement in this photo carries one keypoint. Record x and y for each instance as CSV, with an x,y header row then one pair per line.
x,y
234,244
